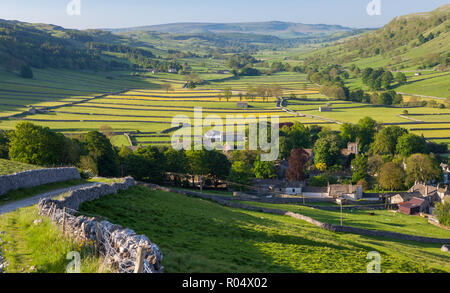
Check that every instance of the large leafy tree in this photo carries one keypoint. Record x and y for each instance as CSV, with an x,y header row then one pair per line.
x,y
297,165
409,144
422,168
367,129
386,140
265,169
295,137
349,132
327,150
38,145
391,177
103,153
359,168
177,161
157,162
240,173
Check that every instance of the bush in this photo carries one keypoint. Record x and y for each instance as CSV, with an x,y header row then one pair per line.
x,y
442,211
26,72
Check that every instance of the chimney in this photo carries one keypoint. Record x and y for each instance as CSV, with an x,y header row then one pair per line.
x,y
426,189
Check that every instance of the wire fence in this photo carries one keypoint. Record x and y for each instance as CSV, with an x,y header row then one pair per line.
x,y
121,249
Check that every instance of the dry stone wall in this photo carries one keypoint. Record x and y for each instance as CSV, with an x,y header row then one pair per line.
x,y
32,178
119,246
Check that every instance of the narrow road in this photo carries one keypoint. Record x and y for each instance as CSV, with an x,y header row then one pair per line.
x,y
9,207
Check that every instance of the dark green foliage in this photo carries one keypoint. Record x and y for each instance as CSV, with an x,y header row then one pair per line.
x,y
442,211
386,140
400,78
39,145
422,168
295,137
327,149
367,129
240,172
4,144
103,153
409,144
359,168
391,177
155,162
26,72
265,170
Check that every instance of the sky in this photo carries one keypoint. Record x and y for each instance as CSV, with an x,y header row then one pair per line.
x,y
130,13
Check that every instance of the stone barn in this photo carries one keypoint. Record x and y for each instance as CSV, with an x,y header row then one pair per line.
x,y
242,105
414,206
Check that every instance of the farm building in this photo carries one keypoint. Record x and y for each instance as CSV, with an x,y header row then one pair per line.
x,y
414,206
279,186
325,109
172,70
349,191
242,104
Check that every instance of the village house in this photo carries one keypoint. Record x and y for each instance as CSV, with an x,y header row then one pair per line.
x,y
403,197
172,70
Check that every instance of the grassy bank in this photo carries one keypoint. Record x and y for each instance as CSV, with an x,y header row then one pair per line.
x,y
200,236
40,246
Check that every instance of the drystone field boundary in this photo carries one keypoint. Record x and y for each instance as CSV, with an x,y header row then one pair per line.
x,y
122,249
33,178
326,226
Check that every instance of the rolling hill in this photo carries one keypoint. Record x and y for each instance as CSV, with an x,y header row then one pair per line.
x,y
410,42
276,28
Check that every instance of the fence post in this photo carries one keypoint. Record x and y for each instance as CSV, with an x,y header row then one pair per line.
x,y
139,265
97,239
64,221
53,212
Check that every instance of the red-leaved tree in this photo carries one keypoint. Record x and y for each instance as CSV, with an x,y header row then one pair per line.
x,y
297,165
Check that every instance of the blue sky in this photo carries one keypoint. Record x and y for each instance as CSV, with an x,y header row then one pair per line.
x,y
127,13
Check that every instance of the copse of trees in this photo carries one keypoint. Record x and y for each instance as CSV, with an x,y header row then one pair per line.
x,y
38,145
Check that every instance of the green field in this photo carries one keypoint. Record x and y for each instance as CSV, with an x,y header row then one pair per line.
x,y
200,236
382,220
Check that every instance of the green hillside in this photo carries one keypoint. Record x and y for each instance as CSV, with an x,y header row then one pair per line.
x,y
200,236
411,42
